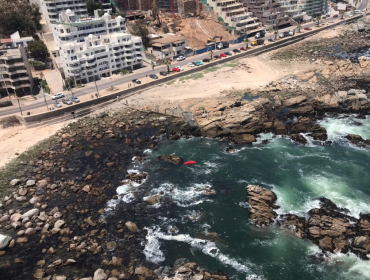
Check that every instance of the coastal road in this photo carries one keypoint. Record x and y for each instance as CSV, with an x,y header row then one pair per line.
x,y
143,73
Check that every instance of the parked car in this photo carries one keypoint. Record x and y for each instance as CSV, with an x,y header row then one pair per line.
x,y
307,28
75,100
217,57
335,16
291,33
223,55
199,62
136,81
228,53
181,57
271,40
176,69
236,51
155,77
191,64
281,35
67,101
163,73
243,49
206,60
57,104
57,95
181,69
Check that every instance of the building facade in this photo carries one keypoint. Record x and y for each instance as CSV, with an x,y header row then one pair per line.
x,y
95,47
52,8
186,7
168,5
168,46
15,72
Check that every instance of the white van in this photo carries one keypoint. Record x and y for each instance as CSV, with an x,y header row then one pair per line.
x,y
358,12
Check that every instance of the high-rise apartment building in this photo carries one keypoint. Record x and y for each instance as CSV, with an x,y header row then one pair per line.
x,y
92,48
52,8
15,72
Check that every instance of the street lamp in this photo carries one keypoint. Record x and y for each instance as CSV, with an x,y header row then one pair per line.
x,y
96,86
40,87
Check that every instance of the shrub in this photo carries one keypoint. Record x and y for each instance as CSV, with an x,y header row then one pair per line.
x,y
124,71
6,104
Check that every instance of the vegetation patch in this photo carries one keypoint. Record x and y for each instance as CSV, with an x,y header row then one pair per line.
x,y
212,69
194,76
233,63
170,82
6,104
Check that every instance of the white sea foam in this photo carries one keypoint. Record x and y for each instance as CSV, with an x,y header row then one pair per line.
x,y
183,197
154,254
337,128
147,151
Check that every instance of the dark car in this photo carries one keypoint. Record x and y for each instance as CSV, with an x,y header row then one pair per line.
x,y
217,57
335,16
163,73
196,63
271,40
236,51
136,81
206,60
155,77
228,53
67,101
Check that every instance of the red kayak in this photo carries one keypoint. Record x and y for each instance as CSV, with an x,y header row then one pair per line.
x,y
190,162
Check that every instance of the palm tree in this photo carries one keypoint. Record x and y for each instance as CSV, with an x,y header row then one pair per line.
x,y
168,63
318,18
246,41
299,28
211,54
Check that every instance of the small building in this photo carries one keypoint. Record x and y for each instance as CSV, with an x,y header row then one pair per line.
x,y
15,41
168,46
187,7
15,72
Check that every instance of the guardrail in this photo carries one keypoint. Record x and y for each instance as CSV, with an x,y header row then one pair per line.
x,y
68,110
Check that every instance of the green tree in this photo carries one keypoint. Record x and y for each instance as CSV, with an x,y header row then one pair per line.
x,y
299,26
318,18
165,29
139,29
246,41
92,6
168,63
211,54
38,51
19,15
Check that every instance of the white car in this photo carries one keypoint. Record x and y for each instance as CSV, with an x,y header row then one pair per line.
x,y
191,64
57,104
180,58
57,95
181,69
281,35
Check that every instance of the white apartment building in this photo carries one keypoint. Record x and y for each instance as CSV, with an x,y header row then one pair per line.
x,y
52,8
91,48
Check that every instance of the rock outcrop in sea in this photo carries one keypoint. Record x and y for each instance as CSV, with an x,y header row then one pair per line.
x,y
329,226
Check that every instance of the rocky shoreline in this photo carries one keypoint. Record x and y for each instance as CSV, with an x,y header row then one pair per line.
x,y
329,226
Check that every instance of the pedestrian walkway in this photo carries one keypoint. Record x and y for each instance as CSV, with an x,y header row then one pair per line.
x,y
54,80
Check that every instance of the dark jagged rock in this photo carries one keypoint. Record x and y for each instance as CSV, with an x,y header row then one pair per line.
x,y
294,223
308,125
358,140
299,138
262,202
171,159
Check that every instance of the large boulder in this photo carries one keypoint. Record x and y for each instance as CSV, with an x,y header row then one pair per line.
x,y
357,140
244,139
171,159
100,275
131,226
295,101
262,202
4,241
155,199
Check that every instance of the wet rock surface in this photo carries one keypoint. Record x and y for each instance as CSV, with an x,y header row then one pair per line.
x,y
262,202
328,226
171,159
57,208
